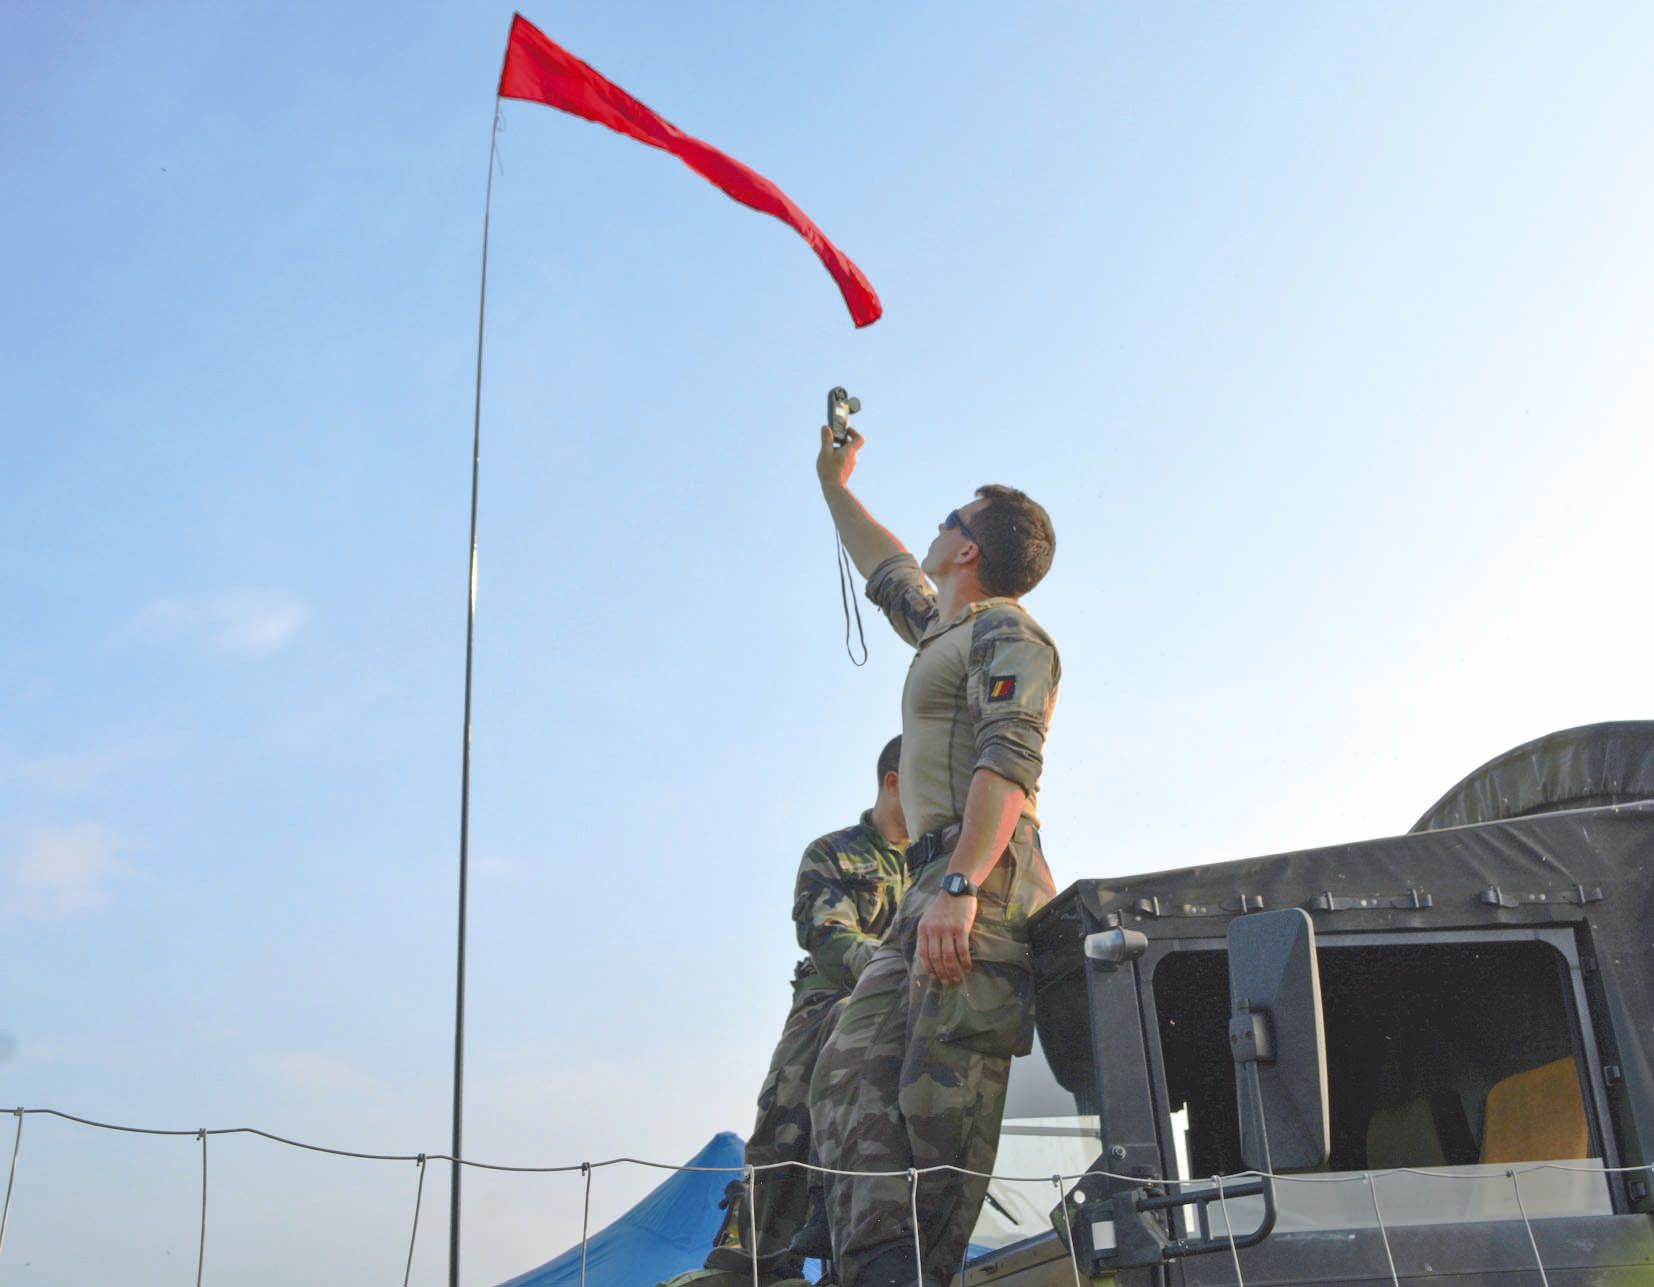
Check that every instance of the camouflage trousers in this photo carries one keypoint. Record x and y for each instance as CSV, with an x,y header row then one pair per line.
x,y
781,1198
914,1075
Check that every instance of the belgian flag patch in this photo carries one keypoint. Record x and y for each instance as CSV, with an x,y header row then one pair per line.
x,y
1001,688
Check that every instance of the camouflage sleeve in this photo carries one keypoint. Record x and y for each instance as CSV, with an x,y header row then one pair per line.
x,y
829,926
1010,691
899,588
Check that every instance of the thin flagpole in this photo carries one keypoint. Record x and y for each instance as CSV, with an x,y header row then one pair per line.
x,y
465,754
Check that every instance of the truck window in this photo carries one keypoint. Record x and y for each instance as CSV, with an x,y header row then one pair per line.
x,y
1452,1056
1045,1133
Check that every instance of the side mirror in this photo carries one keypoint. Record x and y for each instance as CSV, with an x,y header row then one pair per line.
x,y
1277,1040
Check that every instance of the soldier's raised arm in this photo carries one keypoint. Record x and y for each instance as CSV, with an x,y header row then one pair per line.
x,y
868,542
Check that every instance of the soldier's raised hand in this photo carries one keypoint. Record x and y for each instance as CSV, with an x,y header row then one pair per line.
x,y
835,464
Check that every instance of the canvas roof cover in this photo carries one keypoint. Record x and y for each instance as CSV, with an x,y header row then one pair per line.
x,y
1577,768
1590,867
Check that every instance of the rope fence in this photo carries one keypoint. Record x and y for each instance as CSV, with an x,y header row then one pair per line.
x,y
750,1173
1229,1228
585,1220
1378,1214
419,1194
201,1249
11,1177
1516,1185
1068,1228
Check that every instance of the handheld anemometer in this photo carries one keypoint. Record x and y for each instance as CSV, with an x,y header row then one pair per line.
x,y
840,407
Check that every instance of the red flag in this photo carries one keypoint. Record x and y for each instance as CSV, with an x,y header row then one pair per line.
x,y
540,71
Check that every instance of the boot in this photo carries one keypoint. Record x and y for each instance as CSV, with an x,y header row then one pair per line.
x,y
815,1240
773,1269
892,1267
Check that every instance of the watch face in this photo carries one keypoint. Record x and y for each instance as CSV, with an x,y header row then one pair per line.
x,y
955,883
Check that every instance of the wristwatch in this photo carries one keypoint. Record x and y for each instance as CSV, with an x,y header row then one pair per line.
x,y
958,884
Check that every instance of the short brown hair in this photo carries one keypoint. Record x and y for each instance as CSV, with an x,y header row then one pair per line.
x,y
1016,541
890,758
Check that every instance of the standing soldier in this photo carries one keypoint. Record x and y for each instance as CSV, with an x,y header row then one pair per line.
x,y
849,883
914,1075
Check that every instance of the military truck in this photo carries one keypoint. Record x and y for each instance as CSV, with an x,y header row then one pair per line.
x,y
1424,1056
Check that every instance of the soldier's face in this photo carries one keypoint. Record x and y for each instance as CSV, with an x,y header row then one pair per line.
x,y
951,539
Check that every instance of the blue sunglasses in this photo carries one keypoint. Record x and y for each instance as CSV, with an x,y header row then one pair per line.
x,y
954,520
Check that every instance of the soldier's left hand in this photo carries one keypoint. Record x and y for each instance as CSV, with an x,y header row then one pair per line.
x,y
945,937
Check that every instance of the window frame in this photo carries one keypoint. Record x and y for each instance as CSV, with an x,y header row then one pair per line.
x,y
1562,938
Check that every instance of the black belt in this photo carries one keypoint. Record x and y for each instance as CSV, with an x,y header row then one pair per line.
x,y
939,843
931,846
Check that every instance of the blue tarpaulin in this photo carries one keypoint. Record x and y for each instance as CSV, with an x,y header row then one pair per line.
x,y
670,1231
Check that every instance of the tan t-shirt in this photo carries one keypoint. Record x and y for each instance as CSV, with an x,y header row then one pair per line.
x,y
979,694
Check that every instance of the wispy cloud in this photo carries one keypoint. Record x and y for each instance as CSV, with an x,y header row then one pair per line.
x,y
311,1070
65,775
56,872
249,623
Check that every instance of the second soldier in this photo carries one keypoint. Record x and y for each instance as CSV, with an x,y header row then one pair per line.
x,y
849,885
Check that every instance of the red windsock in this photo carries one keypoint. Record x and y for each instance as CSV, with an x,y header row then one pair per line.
x,y
541,71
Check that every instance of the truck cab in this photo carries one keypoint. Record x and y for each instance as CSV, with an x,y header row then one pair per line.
x,y
1420,1056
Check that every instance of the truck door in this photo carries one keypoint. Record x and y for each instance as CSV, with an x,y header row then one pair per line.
x,y
1467,1120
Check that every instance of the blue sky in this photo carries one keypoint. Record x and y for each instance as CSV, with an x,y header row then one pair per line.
x,y
1322,331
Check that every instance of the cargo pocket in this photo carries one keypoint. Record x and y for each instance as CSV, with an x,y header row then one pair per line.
x,y
992,1011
